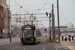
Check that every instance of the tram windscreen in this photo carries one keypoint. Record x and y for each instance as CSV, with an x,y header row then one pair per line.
x,y
28,34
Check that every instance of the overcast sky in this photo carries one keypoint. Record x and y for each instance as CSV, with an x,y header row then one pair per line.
x,y
67,9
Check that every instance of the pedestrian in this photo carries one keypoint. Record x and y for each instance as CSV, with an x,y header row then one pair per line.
x,y
69,38
65,38
72,37
62,38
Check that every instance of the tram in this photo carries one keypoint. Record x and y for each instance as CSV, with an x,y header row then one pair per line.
x,y
29,34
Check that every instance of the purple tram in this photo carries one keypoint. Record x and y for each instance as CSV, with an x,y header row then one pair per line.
x,y
29,34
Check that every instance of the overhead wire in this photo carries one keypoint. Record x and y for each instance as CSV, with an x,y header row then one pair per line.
x,y
19,5
51,6
36,9
41,7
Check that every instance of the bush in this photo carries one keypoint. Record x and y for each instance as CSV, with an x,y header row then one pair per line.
x,y
48,41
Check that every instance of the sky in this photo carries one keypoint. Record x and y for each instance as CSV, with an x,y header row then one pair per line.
x,y
66,9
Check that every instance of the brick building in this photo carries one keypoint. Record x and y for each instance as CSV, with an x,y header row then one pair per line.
x,y
3,16
1,20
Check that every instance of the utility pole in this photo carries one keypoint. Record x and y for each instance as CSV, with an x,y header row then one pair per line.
x,y
50,25
53,23
32,18
10,20
27,15
24,20
58,20
20,16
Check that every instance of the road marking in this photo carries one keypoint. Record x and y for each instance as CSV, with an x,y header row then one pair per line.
x,y
15,48
56,47
24,48
44,48
27,47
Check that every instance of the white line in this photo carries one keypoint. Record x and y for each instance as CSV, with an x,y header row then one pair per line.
x,y
56,48
44,48
15,48
24,48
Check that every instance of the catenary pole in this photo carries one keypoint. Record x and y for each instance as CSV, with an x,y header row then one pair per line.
x,y
10,20
24,20
53,23
58,20
50,25
20,16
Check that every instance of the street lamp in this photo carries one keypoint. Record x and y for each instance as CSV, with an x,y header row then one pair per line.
x,y
49,24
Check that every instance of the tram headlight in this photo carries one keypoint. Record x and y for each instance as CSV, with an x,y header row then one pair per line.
x,y
31,39
24,39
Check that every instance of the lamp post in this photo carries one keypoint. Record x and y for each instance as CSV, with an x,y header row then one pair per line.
x,y
58,19
49,24
10,20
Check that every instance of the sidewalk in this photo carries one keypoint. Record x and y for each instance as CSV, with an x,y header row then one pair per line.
x,y
70,44
7,40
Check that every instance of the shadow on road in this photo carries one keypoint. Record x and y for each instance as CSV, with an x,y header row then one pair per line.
x,y
32,43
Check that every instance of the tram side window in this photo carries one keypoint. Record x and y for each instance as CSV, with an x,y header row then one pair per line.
x,y
35,33
38,33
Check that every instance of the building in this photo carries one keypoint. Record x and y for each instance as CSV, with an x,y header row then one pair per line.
x,y
1,20
68,29
4,16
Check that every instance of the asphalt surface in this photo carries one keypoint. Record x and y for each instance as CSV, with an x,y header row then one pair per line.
x,y
38,46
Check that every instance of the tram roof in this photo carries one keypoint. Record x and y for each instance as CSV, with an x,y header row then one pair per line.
x,y
28,26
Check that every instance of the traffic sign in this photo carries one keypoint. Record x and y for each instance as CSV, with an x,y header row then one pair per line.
x,y
3,30
46,14
60,30
8,31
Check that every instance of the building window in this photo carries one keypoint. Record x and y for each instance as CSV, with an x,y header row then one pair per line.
x,y
0,14
0,1
3,1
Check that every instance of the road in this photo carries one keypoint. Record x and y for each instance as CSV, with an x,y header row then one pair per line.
x,y
39,46
8,39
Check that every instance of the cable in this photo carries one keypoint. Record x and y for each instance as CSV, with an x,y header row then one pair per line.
x,y
41,7
17,3
46,1
20,5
